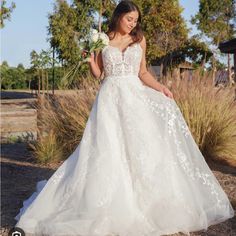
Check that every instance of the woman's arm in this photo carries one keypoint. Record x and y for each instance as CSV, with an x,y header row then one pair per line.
x,y
95,64
147,78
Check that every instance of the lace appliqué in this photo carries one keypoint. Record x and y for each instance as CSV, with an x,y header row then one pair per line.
x,y
119,63
171,113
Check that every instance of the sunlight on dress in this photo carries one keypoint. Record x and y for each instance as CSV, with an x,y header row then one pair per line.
x,y
136,172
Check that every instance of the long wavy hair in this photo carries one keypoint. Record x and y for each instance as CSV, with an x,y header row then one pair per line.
x,y
122,8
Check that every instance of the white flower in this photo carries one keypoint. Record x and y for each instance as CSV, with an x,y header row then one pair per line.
x,y
104,38
94,31
94,37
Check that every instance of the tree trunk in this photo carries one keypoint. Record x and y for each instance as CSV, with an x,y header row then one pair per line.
x,y
230,82
29,84
53,71
100,18
47,81
38,82
43,86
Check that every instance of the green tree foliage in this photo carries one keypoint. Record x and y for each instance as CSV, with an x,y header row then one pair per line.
x,y
69,24
35,62
62,28
5,12
163,25
192,50
105,9
40,67
216,19
167,35
13,77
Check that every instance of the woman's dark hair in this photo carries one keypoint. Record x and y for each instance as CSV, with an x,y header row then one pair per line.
x,y
124,7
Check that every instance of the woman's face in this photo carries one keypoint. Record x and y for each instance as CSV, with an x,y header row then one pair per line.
x,y
128,21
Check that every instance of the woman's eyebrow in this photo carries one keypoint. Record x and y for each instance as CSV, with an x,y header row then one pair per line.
x,y
132,17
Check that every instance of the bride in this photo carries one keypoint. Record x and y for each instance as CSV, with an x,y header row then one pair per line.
x,y
137,170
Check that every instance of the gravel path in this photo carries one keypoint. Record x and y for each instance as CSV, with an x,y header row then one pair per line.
x,y
20,173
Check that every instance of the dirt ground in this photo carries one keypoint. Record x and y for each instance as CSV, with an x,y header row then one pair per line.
x,y
19,174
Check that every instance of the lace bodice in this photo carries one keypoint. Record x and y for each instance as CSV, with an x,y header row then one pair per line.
x,y
117,63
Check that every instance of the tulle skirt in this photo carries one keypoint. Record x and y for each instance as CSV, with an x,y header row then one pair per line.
x,y
137,171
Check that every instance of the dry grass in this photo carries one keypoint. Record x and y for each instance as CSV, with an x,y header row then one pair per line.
x,y
210,113
61,122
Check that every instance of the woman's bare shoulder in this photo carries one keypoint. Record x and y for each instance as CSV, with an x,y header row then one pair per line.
x,y
143,42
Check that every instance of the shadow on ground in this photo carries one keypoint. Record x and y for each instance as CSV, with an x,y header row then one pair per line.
x,y
20,173
17,94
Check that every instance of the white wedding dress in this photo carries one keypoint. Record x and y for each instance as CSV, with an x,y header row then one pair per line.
x,y
136,172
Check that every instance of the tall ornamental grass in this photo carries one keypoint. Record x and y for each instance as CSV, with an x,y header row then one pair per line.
x,y
210,113
61,122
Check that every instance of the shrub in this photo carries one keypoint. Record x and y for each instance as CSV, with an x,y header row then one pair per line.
x,y
61,121
210,113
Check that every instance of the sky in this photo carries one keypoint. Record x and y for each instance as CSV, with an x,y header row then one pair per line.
x,y
27,29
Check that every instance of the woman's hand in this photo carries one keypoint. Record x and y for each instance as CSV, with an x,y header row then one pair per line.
x,y
147,78
89,59
95,62
167,92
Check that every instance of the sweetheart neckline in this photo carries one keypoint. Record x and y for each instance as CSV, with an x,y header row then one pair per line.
x,y
123,52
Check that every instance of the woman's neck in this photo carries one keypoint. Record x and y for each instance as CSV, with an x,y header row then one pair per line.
x,y
119,35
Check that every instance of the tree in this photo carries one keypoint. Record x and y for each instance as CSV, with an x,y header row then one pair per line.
x,y
62,24
69,25
12,77
217,20
5,78
164,27
162,23
35,62
19,77
193,50
4,63
40,64
5,12
20,66
45,63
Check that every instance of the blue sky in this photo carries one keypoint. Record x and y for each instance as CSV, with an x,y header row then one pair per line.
x,y
27,29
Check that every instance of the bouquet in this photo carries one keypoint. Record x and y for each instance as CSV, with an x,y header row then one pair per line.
x,y
95,42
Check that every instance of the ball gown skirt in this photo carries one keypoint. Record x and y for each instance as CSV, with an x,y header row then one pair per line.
x,y
136,172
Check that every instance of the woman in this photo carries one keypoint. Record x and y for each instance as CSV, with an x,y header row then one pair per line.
x,y
137,170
